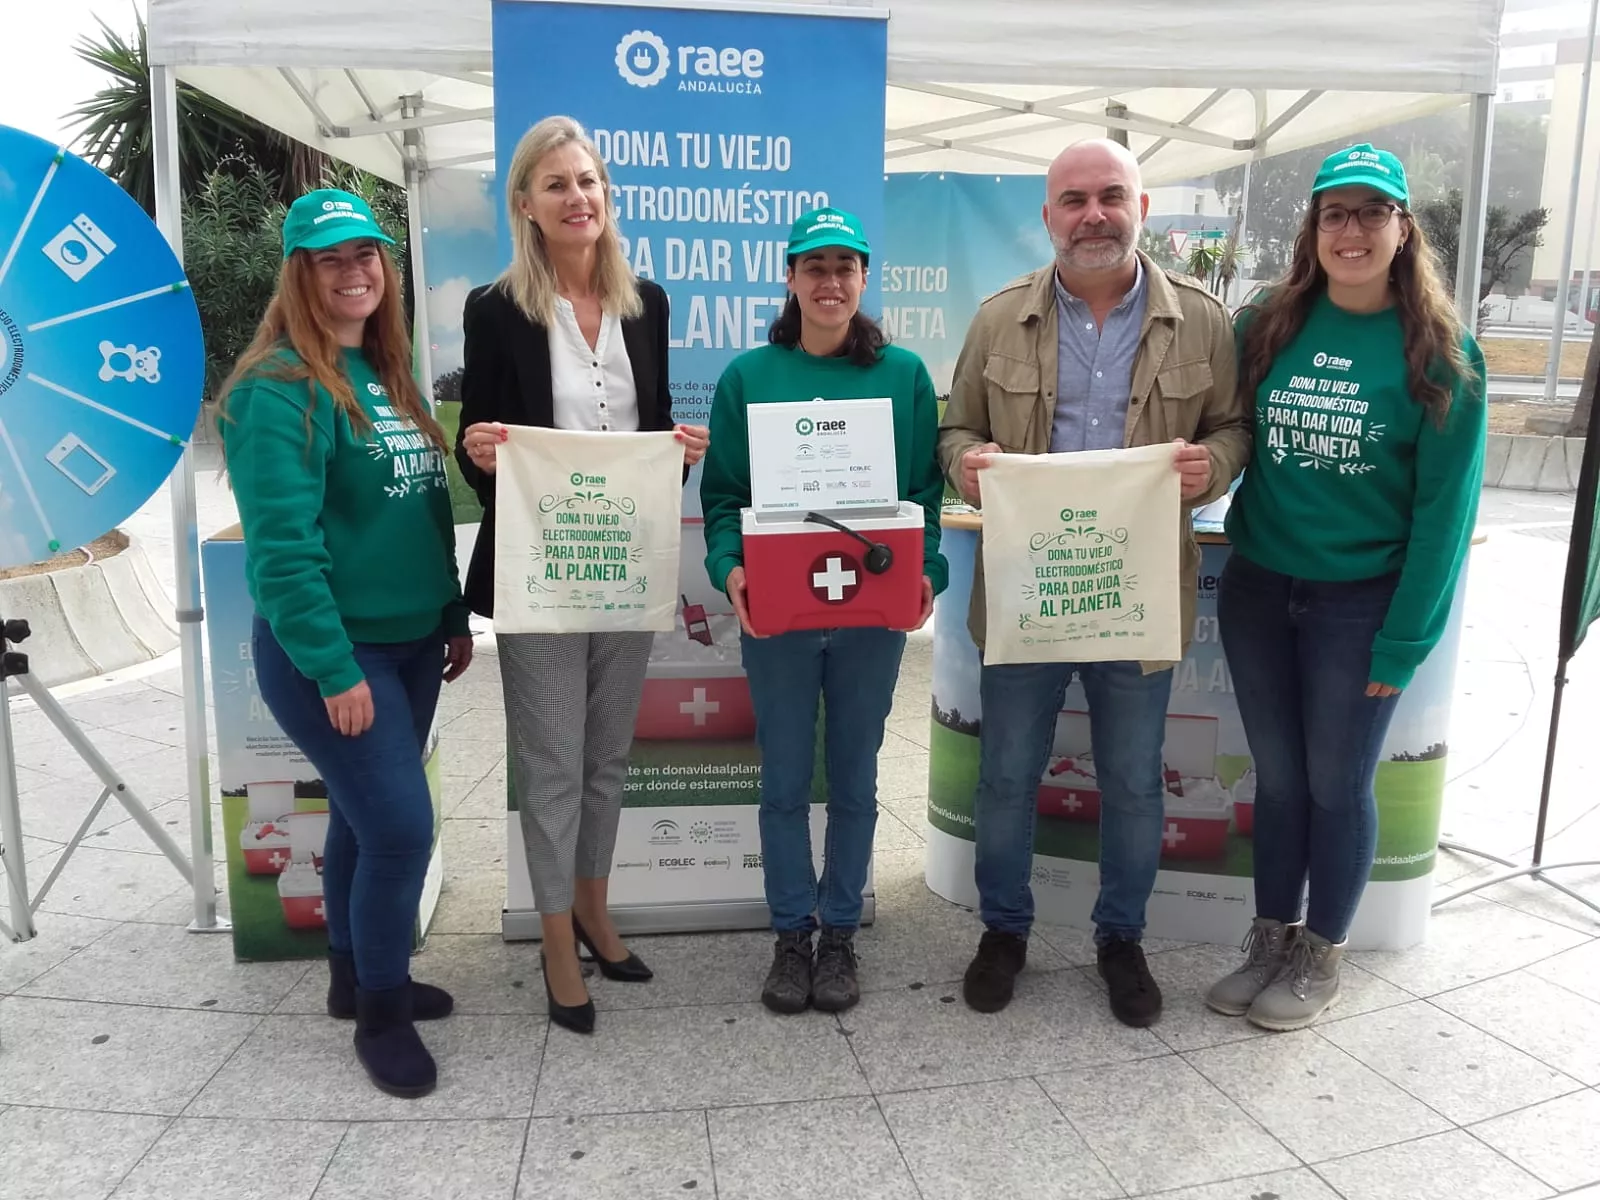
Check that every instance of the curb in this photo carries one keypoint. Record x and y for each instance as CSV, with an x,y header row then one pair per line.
x,y
91,619
1532,463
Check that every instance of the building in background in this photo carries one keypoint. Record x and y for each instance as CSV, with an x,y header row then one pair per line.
x,y
1567,76
1530,32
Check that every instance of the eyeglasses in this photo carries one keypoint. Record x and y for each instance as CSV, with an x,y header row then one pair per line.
x,y
1334,217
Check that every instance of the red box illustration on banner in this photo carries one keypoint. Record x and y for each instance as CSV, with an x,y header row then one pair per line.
x,y
696,701
300,885
265,839
803,575
1198,807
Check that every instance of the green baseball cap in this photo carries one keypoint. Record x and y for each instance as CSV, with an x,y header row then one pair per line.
x,y
826,227
1364,166
327,217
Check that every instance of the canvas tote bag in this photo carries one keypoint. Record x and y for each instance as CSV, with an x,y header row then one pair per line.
x,y
586,531
1081,557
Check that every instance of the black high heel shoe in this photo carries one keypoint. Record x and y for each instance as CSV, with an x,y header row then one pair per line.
x,y
578,1018
629,970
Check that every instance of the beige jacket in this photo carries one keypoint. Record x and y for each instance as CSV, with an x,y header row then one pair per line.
x,y
1184,386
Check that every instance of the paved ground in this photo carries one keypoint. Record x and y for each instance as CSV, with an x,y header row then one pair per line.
x,y
138,1060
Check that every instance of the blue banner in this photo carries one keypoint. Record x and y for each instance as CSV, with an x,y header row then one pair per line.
x,y
719,128
950,241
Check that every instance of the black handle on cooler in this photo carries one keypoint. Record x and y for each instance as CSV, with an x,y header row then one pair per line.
x,y
879,557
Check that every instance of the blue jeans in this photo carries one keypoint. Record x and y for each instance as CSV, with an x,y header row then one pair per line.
x,y
1127,726
1301,657
853,673
380,812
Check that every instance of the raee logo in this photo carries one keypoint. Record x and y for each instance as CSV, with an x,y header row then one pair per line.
x,y
644,60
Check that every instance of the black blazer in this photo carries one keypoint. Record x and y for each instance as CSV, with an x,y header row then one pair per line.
x,y
505,377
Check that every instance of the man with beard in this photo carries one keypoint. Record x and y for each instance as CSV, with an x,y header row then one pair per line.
x,y
1100,350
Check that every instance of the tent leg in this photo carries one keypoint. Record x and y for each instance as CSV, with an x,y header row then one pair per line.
x,y
185,539
1558,326
1474,205
415,166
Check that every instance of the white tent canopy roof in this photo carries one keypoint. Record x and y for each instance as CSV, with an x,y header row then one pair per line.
x,y
1203,86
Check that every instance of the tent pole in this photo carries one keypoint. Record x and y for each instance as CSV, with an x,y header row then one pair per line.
x,y
1549,761
1474,205
415,165
185,538
1558,324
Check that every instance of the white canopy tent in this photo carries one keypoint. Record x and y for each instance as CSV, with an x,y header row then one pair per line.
x,y
399,87
971,88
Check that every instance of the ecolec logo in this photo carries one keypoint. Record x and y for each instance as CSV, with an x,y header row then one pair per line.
x,y
644,60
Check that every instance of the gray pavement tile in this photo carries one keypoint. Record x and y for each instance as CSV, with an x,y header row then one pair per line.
x,y
168,966
58,1154
440,1160
487,976
638,1156
305,1069
1470,940
1005,1138
677,1058
241,1160
817,1150
114,1057
1554,1141
1558,1027
1448,1166
929,1038
1313,1097
1194,1135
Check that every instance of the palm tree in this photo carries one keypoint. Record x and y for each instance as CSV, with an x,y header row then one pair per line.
x,y
1230,259
117,128
1202,261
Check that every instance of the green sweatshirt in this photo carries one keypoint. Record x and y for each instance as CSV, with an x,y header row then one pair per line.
x,y
349,538
779,373
1352,479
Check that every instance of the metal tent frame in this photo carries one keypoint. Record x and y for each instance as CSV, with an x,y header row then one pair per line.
x,y
404,90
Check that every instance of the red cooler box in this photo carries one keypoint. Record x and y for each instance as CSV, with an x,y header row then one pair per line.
x,y
300,884
801,575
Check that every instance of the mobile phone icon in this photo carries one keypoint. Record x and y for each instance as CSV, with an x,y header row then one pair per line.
x,y
74,459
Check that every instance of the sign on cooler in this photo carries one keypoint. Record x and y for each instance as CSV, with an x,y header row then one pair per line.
x,y
834,454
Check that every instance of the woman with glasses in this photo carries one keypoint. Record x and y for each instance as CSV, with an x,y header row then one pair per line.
x,y
1348,532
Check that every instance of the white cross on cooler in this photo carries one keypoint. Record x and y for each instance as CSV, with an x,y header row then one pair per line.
x,y
834,580
1173,836
700,707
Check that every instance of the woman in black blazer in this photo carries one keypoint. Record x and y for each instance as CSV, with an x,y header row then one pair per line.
x,y
567,338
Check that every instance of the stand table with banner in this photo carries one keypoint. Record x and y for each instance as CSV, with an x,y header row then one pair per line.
x,y
1205,889
274,806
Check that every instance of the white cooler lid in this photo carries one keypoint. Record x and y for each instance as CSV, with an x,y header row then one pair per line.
x,y
908,516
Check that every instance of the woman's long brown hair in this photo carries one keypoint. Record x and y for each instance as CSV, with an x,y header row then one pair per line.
x,y
297,319
1435,360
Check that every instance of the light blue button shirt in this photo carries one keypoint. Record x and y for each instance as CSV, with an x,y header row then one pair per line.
x,y
1094,371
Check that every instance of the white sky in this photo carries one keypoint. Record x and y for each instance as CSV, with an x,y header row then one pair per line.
x,y
40,77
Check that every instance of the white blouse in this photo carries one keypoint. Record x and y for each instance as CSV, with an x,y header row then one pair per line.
x,y
592,389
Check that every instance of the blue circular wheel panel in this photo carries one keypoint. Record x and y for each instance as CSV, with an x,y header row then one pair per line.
x,y
101,359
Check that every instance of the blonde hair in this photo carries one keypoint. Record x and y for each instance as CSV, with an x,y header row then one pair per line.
x,y
530,280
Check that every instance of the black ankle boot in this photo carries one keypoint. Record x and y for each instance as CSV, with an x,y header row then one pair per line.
x,y
388,1046
428,1003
